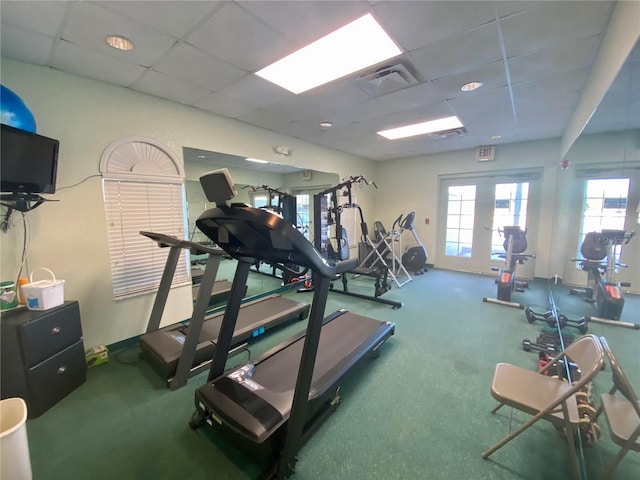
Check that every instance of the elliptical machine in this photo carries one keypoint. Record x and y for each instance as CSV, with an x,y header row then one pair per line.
x,y
515,244
603,291
415,256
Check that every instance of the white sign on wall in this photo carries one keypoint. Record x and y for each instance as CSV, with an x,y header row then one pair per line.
x,y
485,154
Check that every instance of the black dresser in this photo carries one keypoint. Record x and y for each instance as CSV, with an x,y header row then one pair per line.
x,y
42,355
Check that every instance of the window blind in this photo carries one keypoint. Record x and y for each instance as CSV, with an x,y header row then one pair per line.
x,y
137,262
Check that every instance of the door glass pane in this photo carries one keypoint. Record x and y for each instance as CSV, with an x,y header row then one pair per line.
x,y
302,210
510,209
460,216
259,201
604,207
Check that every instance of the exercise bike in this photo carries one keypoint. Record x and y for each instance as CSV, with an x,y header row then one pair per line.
x,y
603,291
515,244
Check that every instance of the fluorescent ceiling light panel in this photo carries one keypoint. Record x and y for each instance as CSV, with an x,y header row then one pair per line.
x,y
353,47
256,160
440,125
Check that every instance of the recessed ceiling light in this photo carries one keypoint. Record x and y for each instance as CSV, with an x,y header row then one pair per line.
x,y
355,46
439,125
256,160
120,43
202,156
495,137
326,124
471,86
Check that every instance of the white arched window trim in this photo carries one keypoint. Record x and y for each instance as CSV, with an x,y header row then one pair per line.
x,y
143,188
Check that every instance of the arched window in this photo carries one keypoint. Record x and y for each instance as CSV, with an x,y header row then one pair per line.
x,y
143,190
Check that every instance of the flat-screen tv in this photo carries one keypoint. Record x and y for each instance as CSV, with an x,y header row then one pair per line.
x,y
29,162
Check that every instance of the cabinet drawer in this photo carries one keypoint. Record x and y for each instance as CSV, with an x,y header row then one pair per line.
x,y
52,380
50,332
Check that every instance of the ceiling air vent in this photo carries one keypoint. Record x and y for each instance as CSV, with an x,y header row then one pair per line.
x,y
386,80
444,134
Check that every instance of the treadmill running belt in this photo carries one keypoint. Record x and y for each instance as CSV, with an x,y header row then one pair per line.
x,y
338,340
163,348
345,340
252,317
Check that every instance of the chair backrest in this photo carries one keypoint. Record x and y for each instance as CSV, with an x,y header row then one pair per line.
x,y
588,354
620,380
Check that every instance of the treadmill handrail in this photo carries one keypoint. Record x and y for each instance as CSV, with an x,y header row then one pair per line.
x,y
164,240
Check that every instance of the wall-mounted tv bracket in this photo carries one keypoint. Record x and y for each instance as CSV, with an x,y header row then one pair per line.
x,y
22,202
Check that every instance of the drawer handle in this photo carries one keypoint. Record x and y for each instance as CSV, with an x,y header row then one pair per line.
x,y
61,370
55,330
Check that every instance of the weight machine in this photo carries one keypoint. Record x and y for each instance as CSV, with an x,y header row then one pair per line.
x,y
282,203
603,291
285,205
515,244
327,213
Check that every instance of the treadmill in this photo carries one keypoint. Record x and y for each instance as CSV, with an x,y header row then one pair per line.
x,y
221,288
179,351
273,404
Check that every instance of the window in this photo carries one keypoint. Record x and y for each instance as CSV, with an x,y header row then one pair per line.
x,y
302,212
259,200
143,190
604,206
510,209
460,219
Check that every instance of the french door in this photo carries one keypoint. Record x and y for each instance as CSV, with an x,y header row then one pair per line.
x,y
607,200
472,215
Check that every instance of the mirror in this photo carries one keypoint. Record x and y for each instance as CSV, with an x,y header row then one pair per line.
x,y
258,184
612,134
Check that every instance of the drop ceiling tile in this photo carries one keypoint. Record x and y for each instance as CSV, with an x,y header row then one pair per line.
x,y
42,17
553,23
298,20
89,25
160,85
416,24
256,91
562,90
492,77
69,57
341,92
255,47
411,97
549,62
175,18
187,63
356,113
482,103
566,82
485,123
463,53
18,43
400,119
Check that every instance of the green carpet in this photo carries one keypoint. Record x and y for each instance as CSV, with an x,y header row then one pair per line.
x,y
419,411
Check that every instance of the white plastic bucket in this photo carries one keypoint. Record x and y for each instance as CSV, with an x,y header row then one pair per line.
x,y
44,294
15,462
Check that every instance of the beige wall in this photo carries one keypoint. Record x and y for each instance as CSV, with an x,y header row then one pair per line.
x,y
413,185
70,236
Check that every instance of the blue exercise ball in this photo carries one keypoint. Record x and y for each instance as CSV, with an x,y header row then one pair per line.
x,y
14,112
